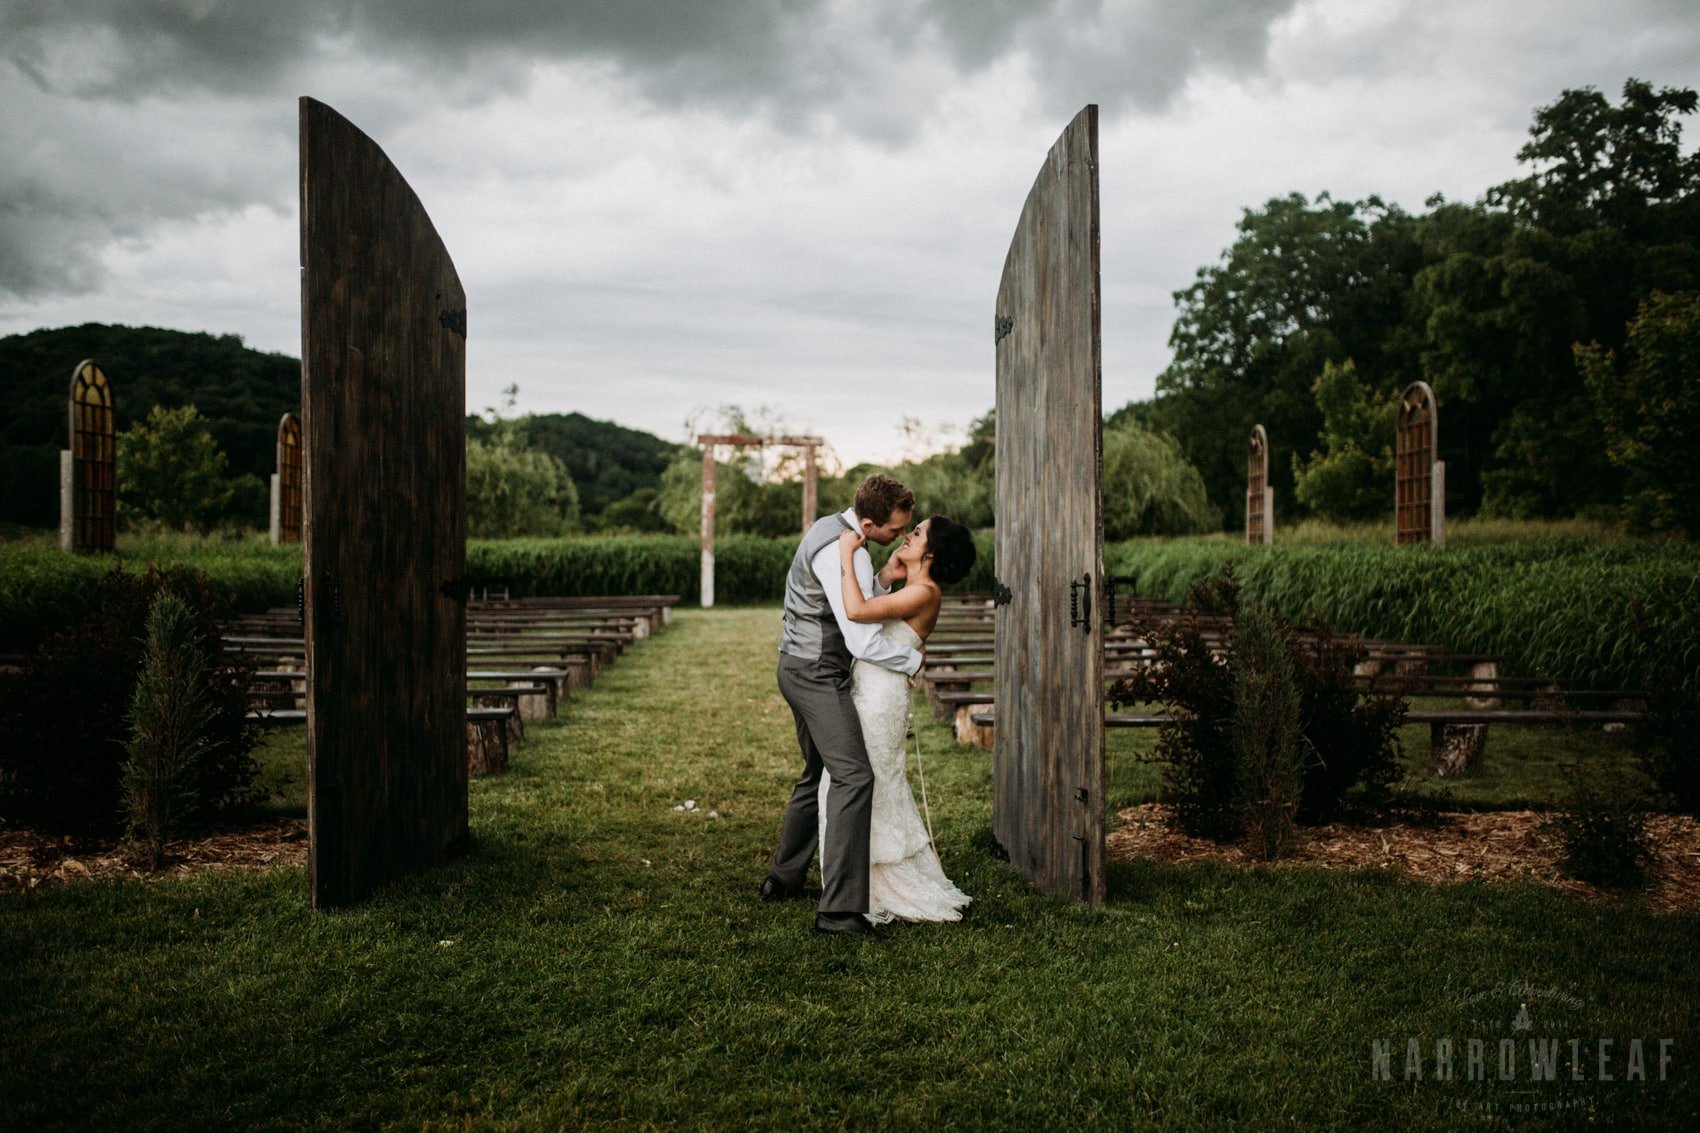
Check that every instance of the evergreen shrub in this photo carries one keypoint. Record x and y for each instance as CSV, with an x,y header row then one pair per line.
x,y
63,716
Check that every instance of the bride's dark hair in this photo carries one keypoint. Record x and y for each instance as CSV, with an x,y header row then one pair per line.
x,y
952,547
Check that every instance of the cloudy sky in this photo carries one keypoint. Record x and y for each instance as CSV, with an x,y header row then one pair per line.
x,y
661,208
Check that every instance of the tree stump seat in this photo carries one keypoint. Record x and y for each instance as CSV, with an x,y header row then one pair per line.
x,y
487,740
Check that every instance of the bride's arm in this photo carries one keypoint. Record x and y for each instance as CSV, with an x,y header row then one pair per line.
x,y
898,604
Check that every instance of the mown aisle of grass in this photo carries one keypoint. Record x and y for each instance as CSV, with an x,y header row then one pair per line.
x,y
600,956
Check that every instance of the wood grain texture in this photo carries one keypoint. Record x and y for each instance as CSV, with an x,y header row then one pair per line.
x,y
383,326
1049,741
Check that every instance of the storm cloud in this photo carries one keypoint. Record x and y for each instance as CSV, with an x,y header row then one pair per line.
x,y
658,207
113,109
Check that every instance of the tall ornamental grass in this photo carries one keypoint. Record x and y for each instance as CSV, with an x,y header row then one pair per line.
x,y
1607,613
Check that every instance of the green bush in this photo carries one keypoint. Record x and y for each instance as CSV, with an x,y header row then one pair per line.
x,y
1353,738
1225,749
1197,744
1603,830
43,590
1269,755
747,568
62,719
1665,738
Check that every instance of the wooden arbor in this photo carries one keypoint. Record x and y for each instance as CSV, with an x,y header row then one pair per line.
x,y
286,482
1048,747
1419,488
383,351
710,442
88,479
1259,496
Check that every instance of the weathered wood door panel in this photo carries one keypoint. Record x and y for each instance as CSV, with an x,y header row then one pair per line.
x,y
1048,746
383,329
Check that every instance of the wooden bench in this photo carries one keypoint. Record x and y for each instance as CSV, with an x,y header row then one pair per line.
x,y
552,684
1451,753
979,721
486,734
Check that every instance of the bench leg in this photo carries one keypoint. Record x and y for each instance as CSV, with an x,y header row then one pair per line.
x,y
1484,685
970,733
1456,749
486,747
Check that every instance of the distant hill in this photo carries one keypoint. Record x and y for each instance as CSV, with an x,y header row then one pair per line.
x,y
608,462
242,392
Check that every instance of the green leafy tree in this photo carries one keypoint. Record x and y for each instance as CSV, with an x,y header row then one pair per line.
x,y
1648,397
1303,284
171,470
513,489
1607,214
1351,476
639,512
947,483
959,481
1150,488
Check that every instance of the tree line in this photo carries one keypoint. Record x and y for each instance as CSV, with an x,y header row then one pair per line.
x,y
1556,319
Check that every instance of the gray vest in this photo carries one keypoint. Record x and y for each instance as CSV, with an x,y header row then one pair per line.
x,y
811,632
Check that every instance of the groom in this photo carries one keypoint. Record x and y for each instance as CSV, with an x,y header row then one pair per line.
x,y
815,651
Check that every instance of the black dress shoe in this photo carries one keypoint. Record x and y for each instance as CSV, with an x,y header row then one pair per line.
x,y
845,924
773,889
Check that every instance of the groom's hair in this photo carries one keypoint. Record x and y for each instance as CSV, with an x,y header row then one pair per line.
x,y
952,548
879,496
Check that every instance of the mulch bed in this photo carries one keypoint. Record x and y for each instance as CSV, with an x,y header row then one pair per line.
x,y
29,860
1496,846
1493,846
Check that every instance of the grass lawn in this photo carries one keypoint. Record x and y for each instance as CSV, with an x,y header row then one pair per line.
x,y
600,957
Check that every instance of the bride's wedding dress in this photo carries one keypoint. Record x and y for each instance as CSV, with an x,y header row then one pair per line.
x,y
905,879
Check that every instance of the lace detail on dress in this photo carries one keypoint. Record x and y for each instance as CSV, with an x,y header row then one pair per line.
x,y
905,879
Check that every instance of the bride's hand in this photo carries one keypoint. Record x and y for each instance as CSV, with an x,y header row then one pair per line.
x,y
854,540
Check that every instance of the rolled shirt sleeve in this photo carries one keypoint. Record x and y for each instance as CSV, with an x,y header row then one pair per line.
x,y
863,639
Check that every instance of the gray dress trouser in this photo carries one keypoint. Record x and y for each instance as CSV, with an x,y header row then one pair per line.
x,y
830,734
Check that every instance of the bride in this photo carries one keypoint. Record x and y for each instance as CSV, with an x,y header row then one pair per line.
x,y
905,879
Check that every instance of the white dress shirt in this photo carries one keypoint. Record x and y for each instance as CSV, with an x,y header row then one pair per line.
x,y
864,639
